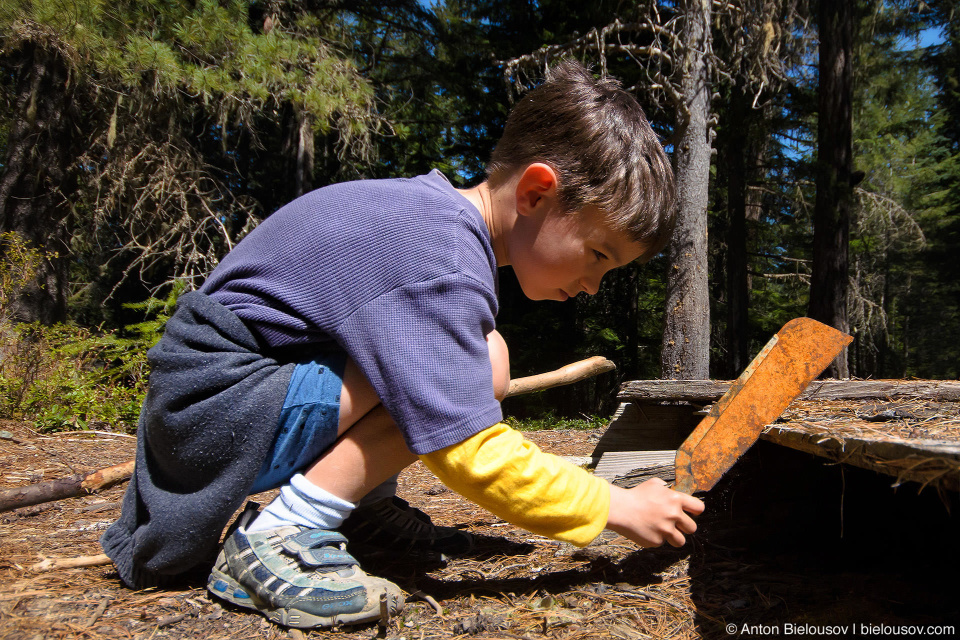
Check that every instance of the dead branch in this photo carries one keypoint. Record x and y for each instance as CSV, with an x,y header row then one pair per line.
x,y
565,375
62,488
52,564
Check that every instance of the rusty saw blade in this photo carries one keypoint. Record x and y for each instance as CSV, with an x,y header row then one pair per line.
x,y
797,354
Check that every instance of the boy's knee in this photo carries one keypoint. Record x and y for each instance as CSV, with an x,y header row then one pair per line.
x,y
499,363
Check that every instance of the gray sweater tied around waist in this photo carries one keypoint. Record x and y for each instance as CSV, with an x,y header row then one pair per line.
x,y
206,425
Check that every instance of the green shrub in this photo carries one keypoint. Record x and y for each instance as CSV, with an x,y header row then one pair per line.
x,y
67,377
550,421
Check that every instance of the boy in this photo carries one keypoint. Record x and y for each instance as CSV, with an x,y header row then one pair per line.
x,y
353,332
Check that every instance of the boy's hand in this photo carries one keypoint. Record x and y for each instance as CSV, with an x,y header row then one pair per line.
x,y
651,513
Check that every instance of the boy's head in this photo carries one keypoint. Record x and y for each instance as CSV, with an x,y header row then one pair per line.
x,y
598,141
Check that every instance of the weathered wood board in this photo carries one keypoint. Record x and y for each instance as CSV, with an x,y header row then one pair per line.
x,y
630,468
647,427
707,391
906,459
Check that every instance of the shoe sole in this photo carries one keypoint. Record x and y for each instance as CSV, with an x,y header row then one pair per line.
x,y
223,586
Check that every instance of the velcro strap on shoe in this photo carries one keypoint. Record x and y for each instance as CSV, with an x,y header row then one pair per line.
x,y
317,548
326,558
311,539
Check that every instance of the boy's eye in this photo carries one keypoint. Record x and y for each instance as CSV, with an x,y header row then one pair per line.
x,y
599,255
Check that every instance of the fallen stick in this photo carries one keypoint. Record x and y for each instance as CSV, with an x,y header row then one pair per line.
x,y
80,484
99,612
173,618
68,487
568,374
52,564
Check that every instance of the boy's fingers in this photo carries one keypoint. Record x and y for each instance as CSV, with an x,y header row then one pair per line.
x,y
686,524
690,504
693,505
676,539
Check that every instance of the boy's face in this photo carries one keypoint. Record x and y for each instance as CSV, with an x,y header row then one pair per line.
x,y
557,255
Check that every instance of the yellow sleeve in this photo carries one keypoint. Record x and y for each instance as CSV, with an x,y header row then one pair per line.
x,y
508,475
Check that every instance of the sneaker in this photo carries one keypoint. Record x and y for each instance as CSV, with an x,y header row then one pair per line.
x,y
391,527
300,577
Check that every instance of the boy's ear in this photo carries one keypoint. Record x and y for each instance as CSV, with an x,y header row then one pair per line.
x,y
537,182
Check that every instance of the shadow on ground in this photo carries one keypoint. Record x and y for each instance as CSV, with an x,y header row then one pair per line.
x,y
790,544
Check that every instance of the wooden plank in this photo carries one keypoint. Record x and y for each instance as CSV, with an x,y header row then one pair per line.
x,y
707,391
647,427
700,391
630,468
933,462
616,463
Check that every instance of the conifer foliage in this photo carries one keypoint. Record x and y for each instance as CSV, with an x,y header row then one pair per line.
x,y
128,120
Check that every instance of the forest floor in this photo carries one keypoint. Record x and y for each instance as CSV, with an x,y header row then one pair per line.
x,y
737,577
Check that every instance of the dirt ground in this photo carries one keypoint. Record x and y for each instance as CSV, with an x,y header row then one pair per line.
x,y
774,558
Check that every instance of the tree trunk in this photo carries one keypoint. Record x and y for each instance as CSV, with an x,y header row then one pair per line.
x,y
737,289
831,218
305,153
745,146
38,180
686,337
630,366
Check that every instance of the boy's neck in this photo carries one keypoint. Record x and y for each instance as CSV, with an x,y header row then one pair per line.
x,y
482,198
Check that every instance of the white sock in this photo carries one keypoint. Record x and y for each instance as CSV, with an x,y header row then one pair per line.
x,y
303,503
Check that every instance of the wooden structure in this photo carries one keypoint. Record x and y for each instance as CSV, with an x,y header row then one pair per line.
x,y
909,430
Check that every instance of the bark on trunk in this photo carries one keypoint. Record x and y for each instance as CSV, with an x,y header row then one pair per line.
x,y
686,337
744,147
828,287
305,153
38,179
737,290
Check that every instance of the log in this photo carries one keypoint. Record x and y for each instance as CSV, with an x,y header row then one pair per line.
x,y
568,374
707,391
69,487
80,484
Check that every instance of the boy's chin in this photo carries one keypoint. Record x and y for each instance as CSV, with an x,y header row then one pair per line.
x,y
556,295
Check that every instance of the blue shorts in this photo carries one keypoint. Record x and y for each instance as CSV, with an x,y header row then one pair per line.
x,y
308,421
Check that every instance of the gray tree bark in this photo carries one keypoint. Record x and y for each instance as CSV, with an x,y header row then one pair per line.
x,y
686,337
305,153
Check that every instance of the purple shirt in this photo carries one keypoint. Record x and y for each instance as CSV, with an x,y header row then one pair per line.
x,y
401,274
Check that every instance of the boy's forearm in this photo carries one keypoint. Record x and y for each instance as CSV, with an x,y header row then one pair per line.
x,y
508,475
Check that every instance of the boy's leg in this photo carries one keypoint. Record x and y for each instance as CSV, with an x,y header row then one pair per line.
x,y
367,457
294,569
370,449
289,564
385,525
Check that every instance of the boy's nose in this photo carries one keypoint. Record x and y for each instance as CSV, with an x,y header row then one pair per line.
x,y
590,285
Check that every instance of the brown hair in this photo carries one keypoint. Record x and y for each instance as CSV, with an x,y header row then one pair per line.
x,y
598,140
